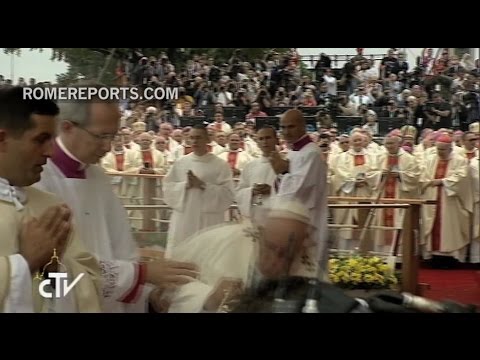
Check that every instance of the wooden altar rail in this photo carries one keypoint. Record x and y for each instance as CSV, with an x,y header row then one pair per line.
x,y
411,227
410,251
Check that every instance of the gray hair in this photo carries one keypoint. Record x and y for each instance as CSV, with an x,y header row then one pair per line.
x,y
77,110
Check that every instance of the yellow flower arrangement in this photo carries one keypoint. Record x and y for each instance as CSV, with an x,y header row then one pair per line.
x,y
361,272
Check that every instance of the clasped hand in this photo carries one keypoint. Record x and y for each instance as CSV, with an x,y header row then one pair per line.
x,y
194,182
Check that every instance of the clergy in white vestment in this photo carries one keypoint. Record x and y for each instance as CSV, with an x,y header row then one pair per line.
x,y
219,124
147,158
115,163
161,145
355,175
446,179
469,140
402,182
303,176
475,245
166,131
256,186
33,223
237,256
128,140
199,189
85,135
148,161
236,158
212,145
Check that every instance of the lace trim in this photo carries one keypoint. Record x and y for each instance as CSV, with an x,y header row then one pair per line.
x,y
110,273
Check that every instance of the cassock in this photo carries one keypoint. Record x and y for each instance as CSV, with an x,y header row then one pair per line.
x,y
306,181
258,171
227,251
103,226
19,291
475,245
446,224
195,209
404,187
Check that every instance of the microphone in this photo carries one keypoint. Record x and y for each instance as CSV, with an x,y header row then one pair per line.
x,y
422,304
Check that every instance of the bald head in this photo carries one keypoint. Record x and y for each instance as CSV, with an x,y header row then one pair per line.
x,y
292,124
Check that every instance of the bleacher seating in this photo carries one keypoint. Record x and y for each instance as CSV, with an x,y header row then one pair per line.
x,y
345,124
274,121
192,120
385,124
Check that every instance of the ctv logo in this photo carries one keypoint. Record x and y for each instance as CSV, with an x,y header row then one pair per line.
x,y
61,286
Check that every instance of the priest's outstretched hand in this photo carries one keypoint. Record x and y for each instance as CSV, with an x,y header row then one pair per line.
x,y
168,273
38,237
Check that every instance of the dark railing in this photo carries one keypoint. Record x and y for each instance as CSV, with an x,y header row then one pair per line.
x,y
337,60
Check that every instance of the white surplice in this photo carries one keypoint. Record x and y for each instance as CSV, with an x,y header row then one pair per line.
x,y
195,209
103,226
258,171
306,181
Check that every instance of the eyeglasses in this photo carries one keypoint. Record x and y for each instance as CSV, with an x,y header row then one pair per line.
x,y
101,138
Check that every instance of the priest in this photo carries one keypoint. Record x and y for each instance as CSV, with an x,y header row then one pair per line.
x,y
303,177
399,180
256,186
85,134
34,224
446,179
199,188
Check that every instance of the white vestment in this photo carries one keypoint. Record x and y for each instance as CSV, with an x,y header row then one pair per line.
x,y
239,158
451,227
226,251
102,223
19,291
475,245
195,209
258,171
306,182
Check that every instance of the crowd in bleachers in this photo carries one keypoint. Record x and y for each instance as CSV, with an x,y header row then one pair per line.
x,y
379,96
